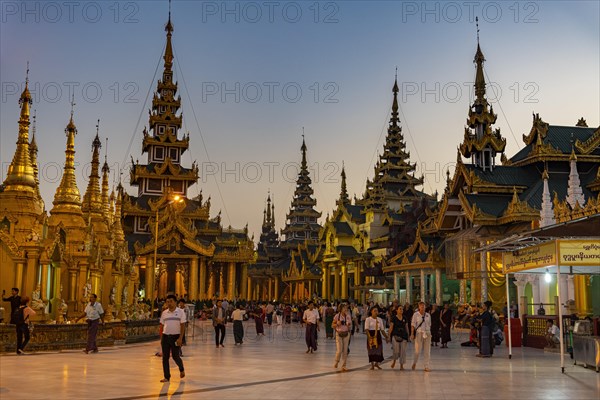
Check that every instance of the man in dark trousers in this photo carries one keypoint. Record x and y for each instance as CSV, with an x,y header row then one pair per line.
x,y
15,302
173,326
93,313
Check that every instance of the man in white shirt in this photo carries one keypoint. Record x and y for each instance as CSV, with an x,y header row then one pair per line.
x,y
93,313
421,334
311,319
173,321
552,334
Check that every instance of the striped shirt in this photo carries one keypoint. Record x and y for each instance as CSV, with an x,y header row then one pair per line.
x,y
172,320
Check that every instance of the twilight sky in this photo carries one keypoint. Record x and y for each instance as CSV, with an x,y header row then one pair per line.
x,y
252,75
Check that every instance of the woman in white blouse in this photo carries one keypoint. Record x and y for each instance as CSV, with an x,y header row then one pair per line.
x,y
374,328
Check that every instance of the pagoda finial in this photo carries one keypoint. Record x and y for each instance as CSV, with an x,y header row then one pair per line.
x,y
105,176
394,121
574,191
92,199
168,57
479,77
546,213
67,199
20,174
344,199
303,148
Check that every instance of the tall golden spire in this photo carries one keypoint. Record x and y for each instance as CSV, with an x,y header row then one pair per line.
x,y
105,173
67,198
479,78
92,200
117,228
168,57
21,176
33,150
394,121
344,199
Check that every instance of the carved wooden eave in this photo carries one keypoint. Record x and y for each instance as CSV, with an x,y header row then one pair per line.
x,y
166,117
564,213
472,144
591,144
166,138
518,211
594,186
474,213
11,244
538,132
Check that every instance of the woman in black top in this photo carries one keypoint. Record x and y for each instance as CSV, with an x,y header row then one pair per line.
x,y
399,334
446,322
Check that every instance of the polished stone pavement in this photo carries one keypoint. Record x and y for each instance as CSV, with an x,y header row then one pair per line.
x,y
276,367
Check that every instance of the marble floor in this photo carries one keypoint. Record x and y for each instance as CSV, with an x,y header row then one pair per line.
x,y
276,367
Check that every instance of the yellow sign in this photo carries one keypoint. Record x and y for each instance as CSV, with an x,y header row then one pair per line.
x,y
579,252
539,256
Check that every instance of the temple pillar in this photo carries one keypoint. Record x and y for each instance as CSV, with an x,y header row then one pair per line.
x,y
583,296
564,293
396,287
344,282
202,273
44,282
276,294
438,286
150,277
325,283
484,275
222,273
521,282
19,275
193,290
336,282
231,279
243,282
356,280
212,283
408,288
269,289
29,281
570,293
534,281
72,285
462,293
422,276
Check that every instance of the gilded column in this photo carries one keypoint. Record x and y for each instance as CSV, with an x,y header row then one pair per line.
x,y
212,283
193,289
249,289
344,282
484,275
202,295
462,295
19,274
438,286
325,283
29,282
408,288
150,277
244,282
231,278
222,273
276,288
357,267
582,294
270,294
422,274
72,285
336,282
44,281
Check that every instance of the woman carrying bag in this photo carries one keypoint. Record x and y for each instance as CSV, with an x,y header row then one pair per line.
x,y
342,323
399,335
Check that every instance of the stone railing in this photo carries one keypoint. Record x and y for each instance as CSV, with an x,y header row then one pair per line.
x,y
74,336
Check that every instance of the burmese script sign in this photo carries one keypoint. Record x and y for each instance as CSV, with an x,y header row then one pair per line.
x,y
579,252
539,256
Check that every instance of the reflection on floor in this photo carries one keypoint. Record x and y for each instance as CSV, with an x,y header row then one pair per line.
x,y
276,366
